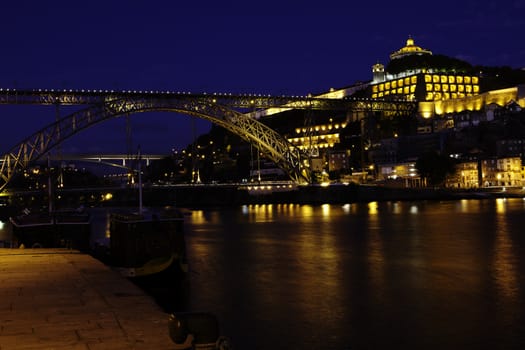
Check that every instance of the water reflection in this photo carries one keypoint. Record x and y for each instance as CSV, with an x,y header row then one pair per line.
x,y
372,208
505,261
501,205
423,274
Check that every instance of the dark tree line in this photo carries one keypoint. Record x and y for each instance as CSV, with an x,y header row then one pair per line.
x,y
435,167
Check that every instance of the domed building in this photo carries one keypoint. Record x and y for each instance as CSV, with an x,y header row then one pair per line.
x,y
415,74
409,49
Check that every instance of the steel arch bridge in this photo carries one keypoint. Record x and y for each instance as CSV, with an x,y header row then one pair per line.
x,y
226,110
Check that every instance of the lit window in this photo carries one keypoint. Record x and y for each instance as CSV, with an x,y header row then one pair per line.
x,y
475,80
412,88
476,88
406,90
467,80
429,96
374,95
461,88
387,86
437,87
374,88
429,87
413,80
453,87
468,88
451,79
444,87
428,78
407,81
444,79
400,82
394,84
381,87
399,90
459,80
435,78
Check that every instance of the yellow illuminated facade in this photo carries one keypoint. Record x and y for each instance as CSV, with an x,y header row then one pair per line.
x,y
318,136
428,87
506,171
472,103
420,84
404,87
466,176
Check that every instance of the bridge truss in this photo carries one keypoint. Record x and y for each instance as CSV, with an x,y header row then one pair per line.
x,y
226,110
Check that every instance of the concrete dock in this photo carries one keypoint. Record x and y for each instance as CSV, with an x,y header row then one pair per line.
x,y
64,299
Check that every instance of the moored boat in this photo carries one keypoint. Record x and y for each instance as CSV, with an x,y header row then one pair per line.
x,y
147,243
69,228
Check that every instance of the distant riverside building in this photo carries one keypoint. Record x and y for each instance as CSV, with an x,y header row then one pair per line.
x,y
421,83
338,160
500,172
402,174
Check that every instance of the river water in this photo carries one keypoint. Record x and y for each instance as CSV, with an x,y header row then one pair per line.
x,y
379,275
410,275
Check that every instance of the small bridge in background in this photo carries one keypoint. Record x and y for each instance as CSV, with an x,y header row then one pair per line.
x,y
236,113
119,160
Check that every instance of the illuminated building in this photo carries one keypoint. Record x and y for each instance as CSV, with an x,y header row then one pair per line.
x,y
421,83
466,176
400,175
506,171
449,98
485,101
408,50
319,136
338,160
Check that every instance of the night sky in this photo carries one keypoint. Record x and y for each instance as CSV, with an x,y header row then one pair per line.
x,y
268,47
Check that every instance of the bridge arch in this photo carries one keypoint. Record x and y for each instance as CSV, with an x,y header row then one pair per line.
x,y
276,147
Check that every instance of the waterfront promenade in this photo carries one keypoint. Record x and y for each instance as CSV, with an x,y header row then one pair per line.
x,y
64,299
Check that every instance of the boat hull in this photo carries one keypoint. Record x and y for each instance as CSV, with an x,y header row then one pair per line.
x,y
57,230
146,245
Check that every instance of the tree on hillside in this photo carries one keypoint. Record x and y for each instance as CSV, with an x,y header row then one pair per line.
x,y
435,167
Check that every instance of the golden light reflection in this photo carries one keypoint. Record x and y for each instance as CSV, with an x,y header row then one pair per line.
x,y
372,208
396,208
307,213
201,217
107,230
504,265
464,205
501,205
470,206
375,252
325,210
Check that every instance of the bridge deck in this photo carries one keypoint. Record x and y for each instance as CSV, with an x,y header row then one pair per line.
x,y
62,299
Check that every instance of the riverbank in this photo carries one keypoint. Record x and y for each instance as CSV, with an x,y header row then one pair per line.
x,y
230,194
209,195
63,299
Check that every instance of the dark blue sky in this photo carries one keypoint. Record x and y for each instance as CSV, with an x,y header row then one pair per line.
x,y
270,47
